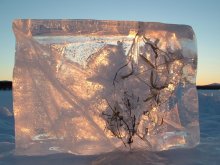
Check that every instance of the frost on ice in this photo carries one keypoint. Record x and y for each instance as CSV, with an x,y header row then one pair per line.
x,y
89,87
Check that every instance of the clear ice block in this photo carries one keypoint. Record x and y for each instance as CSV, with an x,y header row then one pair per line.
x,y
90,86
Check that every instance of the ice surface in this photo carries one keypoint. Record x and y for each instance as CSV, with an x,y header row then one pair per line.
x,y
207,152
89,87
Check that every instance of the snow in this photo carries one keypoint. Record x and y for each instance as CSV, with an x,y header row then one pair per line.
x,y
207,152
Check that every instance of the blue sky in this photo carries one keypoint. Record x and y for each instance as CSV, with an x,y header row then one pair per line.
x,y
202,15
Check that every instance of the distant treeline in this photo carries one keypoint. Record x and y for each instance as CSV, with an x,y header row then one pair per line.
x,y
7,85
208,87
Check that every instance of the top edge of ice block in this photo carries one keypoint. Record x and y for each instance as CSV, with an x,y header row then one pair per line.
x,y
47,27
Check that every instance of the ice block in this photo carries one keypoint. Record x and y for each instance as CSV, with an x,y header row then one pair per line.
x,y
94,86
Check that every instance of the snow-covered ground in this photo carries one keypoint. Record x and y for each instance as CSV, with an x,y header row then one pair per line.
x,y
206,153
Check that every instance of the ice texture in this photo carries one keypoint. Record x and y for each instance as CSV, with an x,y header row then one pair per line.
x,y
90,86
